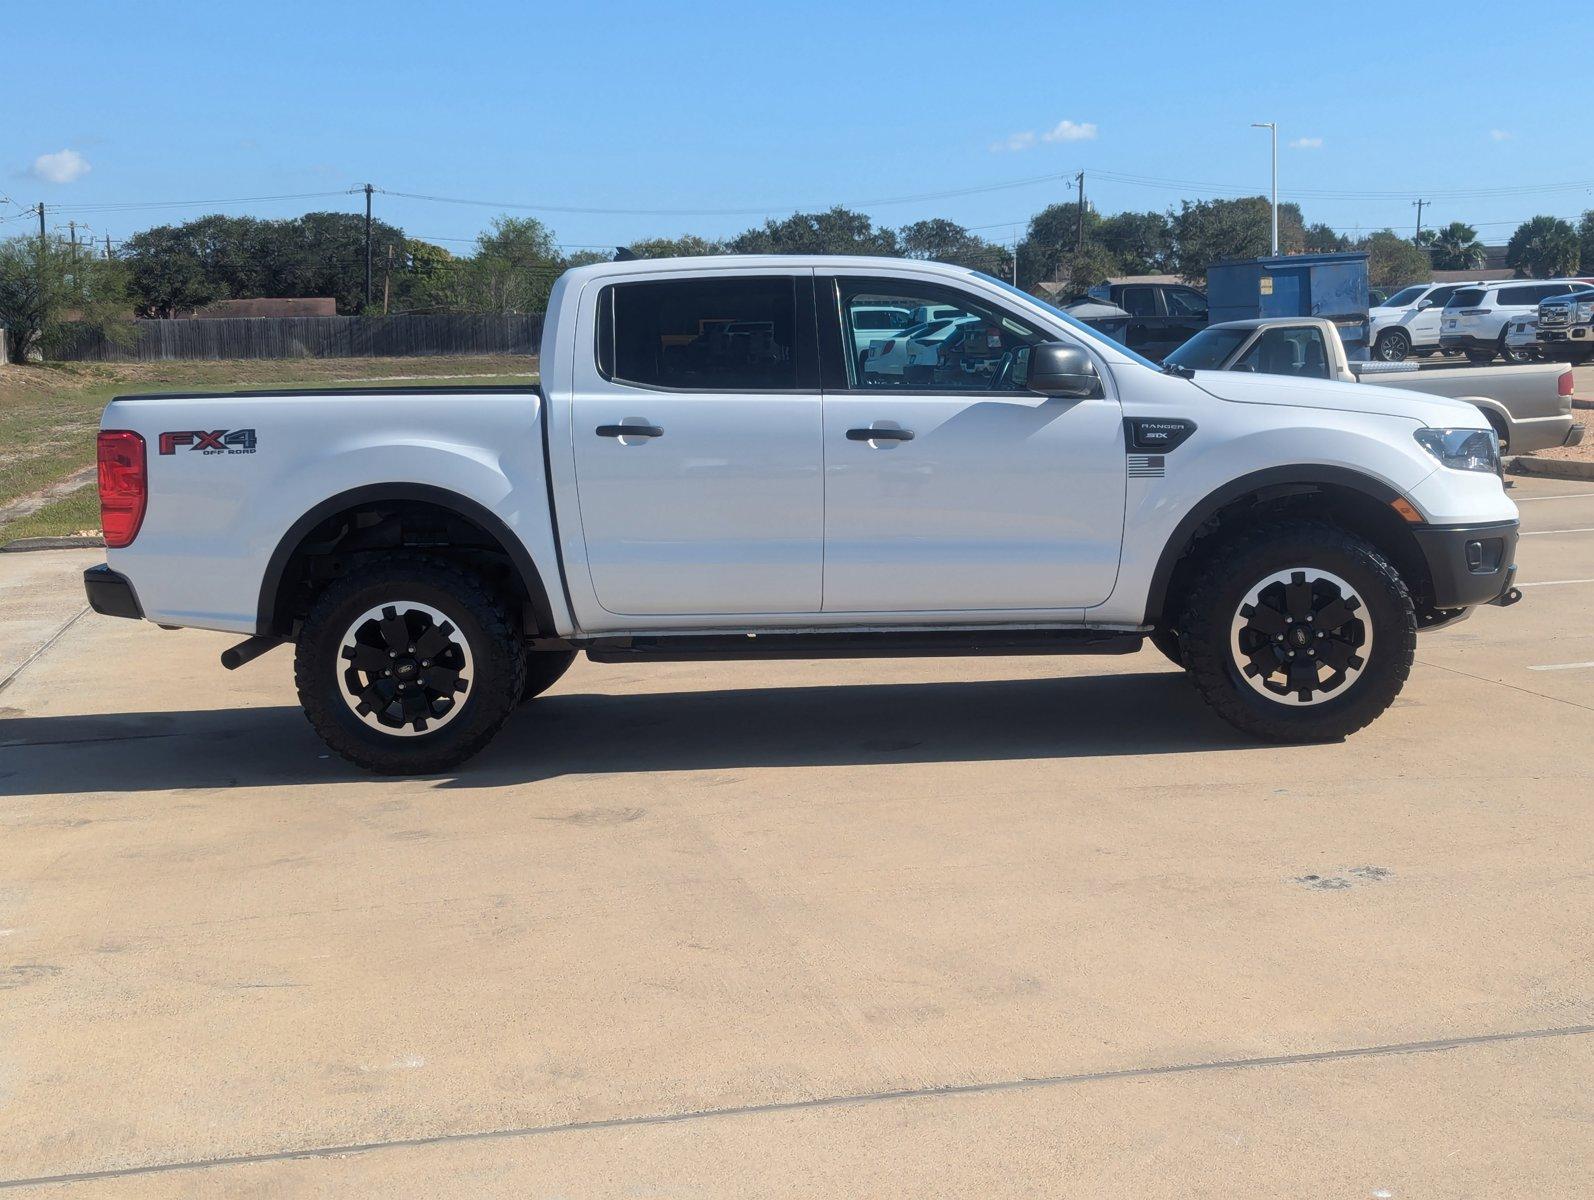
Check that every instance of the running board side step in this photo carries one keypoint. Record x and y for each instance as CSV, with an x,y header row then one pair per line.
x,y
894,644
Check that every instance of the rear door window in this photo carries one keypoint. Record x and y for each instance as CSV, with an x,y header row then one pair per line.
x,y
700,334
1139,301
1185,303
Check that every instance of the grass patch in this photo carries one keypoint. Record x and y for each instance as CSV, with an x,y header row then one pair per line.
x,y
50,413
77,513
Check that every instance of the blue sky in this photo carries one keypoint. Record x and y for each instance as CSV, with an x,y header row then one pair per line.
x,y
768,107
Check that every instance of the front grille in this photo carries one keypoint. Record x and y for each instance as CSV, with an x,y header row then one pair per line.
x,y
1559,315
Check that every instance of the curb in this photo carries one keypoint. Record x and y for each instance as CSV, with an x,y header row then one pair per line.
x,y
52,543
1551,468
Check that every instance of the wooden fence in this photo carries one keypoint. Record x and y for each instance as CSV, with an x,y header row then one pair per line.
x,y
307,337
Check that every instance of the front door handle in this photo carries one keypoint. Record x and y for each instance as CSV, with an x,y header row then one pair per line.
x,y
636,431
879,435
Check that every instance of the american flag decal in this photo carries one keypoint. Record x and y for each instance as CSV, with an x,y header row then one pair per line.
x,y
1145,466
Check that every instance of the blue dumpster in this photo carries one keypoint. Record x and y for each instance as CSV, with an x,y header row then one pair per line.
x,y
1295,285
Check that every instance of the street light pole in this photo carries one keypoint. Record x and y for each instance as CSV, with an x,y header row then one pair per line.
x,y
1273,128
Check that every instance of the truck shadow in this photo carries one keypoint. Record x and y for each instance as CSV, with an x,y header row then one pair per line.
x,y
586,733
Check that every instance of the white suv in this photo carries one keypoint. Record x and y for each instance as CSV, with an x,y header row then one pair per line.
x,y
1476,318
1408,322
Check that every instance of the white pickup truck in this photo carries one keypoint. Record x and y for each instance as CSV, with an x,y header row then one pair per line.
x,y
439,556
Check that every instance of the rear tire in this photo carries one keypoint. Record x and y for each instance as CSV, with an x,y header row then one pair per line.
x,y
1299,632
1394,345
408,666
1480,358
1512,355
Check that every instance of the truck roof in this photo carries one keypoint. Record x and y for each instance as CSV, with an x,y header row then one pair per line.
x,y
784,262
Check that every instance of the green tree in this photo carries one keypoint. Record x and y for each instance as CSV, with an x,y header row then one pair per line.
x,y
940,240
46,290
1322,239
1083,269
686,246
1585,240
1543,248
1052,234
513,268
1140,243
1209,231
835,231
1392,260
1456,248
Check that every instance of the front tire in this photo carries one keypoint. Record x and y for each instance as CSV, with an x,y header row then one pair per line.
x,y
1393,346
408,666
1299,632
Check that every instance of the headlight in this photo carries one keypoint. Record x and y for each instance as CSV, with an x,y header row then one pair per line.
x,y
1585,310
1463,449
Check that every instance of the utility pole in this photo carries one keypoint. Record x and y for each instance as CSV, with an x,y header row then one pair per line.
x,y
1417,241
1079,216
72,227
387,279
41,225
1272,127
107,247
368,191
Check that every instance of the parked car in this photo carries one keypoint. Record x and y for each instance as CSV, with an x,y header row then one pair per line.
x,y
1522,338
1408,322
437,559
915,353
875,324
1565,327
1475,317
1529,407
1161,315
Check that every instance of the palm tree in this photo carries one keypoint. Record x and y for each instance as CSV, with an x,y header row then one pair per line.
x,y
1456,248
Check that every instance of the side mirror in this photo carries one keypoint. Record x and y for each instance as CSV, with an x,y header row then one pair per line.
x,y
1058,369
1422,304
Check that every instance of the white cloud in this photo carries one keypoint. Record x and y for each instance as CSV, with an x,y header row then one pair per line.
x,y
63,166
1499,135
1068,131
1304,143
1014,141
1063,131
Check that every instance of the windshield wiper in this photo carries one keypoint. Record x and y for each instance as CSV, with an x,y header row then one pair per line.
x,y
1179,369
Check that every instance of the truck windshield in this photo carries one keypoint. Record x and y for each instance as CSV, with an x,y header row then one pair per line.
x,y
1209,349
1072,322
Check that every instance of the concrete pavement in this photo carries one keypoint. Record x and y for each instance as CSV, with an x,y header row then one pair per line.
x,y
980,927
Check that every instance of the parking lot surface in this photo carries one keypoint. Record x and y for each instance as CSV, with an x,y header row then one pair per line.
x,y
992,927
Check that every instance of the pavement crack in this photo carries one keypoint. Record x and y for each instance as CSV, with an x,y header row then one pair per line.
x,y
32,658
1502,683
817,1102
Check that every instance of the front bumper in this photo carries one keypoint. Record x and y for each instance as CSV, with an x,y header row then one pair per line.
x,y
1469,564
111,594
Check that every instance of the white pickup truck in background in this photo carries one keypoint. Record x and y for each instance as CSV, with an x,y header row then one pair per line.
x,y
705,471
1529,407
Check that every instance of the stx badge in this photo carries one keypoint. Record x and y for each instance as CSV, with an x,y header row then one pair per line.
x,y
220,441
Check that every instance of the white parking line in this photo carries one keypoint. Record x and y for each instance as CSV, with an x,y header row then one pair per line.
x,y
1563,496
1554,582
1542,532
1563,666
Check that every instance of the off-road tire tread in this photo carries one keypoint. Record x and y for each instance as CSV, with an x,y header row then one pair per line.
x,y
1204,638
418,756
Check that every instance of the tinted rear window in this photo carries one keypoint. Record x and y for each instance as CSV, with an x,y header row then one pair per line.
x,y
713,334
1466,298
1528,294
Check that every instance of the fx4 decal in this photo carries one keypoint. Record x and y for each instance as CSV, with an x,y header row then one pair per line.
x,y
220,441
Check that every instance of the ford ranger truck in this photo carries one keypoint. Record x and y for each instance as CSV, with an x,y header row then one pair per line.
x,y
706,472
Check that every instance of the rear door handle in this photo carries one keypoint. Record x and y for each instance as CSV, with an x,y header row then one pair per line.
x,y
636,431
879,435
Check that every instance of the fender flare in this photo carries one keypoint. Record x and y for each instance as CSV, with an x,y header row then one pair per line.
x,y
470,510
1270,478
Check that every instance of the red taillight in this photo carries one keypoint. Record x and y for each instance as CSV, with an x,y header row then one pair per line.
x,y
124,485
1565,383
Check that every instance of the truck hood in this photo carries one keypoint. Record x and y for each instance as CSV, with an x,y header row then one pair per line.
x,y
1242,387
